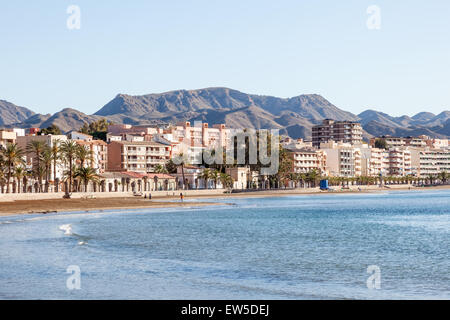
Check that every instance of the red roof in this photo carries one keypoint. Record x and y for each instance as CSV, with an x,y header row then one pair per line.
x,y
138,175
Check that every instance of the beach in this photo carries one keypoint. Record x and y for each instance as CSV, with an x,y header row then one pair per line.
x,y
67,205
22,204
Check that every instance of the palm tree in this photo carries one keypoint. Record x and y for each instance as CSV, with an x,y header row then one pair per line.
x,y
19,174
215,176
206,175
181,161
312,177
69,151
83,154
46,162
160,169
56,157
443,176
86,175
226,180
37,147
12,155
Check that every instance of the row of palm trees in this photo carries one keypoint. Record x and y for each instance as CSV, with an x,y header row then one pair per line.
x,y
216,176
74,157
312,178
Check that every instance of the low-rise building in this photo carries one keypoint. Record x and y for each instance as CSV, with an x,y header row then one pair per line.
x,y
140,157
305,160
6,137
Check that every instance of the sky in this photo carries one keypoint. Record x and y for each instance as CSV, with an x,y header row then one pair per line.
x,y
280,48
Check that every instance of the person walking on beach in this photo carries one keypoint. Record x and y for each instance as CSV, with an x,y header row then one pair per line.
x,y
181,196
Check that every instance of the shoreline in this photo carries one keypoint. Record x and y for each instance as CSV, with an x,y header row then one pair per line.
x,y
58,205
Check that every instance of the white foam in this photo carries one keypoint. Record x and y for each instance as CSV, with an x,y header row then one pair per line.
x,y
67,228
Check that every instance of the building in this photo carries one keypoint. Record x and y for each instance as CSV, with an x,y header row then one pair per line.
x,y
342,159
331,130
289,143
99,154
240,176
305,160
192,141
75,135
374,162
49,140
140,157
136,182
400,142
432,161
192,178
399,160
7,136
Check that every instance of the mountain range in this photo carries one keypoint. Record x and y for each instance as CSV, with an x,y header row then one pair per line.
x,y
293,116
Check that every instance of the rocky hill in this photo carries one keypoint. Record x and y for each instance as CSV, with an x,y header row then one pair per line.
x,y
293,116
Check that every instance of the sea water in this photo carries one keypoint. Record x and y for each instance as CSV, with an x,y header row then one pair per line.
x,y
294,247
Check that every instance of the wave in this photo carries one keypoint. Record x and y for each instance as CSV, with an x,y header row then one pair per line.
x,y
67,228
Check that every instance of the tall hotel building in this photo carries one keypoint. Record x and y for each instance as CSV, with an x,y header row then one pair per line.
x,y
344,131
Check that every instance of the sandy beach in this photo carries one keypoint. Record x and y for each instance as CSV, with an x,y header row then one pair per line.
x,y
44,206
68,205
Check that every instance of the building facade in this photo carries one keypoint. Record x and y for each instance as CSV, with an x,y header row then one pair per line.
x,y
331,130
136,156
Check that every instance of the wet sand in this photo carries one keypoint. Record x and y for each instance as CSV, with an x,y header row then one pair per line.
x,y
67,205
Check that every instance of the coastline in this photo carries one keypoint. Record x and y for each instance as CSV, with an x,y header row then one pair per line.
x,y
114,202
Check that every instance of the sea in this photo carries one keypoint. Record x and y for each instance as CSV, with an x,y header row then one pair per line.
x,y
384,245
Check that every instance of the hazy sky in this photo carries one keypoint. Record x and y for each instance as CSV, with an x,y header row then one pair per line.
x,y
280,48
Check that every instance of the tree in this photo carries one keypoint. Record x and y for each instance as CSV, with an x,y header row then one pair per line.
x,y
381,143
443,176
12,155
69,151
86,175
215,176
36,147
226,180
312,177
53,129
206,175
181,159
83,154
19,174
171,166
97,129
160,169
46,162
56,157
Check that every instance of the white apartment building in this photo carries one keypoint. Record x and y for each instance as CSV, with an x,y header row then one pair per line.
x,y
399,162
432,162
140,157
342,159
7,137
49,140
308,159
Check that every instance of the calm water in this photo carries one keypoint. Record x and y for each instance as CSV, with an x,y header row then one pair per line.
x,y
305,247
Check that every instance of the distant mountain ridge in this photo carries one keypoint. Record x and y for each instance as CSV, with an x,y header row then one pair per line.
x,y
293,116
10,113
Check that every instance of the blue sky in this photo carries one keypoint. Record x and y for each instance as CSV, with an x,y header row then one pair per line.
x,y
280,48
